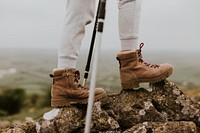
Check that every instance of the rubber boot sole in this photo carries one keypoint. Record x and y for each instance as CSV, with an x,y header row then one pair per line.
x,y
56,103
135,84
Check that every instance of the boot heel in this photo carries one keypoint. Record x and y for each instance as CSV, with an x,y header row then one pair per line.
x,y
129,86
60,102
67,102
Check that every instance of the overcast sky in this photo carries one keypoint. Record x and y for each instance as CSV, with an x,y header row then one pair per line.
x,y
165,24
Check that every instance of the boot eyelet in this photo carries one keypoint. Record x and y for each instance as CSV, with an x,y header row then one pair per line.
x,y
65,74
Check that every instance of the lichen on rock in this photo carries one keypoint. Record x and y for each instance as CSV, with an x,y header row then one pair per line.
x,y
162,107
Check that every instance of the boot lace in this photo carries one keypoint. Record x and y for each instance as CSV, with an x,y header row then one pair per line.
x,y
142,61
77,79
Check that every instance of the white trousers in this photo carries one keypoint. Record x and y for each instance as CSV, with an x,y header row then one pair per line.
x,y
79,13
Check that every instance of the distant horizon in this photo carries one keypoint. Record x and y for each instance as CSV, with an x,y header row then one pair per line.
x,y
185,63
84,49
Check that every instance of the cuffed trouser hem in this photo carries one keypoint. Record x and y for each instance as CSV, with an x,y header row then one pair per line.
x,y
79,13
129,17
66,63
130,44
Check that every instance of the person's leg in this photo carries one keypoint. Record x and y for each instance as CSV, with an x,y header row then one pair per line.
x,y
133,69
66,88
129,18
79,13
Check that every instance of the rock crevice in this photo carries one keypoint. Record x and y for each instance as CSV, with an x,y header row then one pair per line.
x,y
162,107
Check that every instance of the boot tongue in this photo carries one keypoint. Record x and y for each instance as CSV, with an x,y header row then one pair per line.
x,y
124,55
57,72
61,72
77,74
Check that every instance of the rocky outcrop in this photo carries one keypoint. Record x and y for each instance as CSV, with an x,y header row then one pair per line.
x,y
160,108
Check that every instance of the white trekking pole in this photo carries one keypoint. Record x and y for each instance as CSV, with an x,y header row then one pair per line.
x,y
101,17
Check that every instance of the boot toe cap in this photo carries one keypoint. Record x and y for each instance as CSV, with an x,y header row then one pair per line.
x,y
167,69
99,91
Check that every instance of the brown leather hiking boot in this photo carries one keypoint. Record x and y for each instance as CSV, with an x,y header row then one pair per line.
x,y
67,90
134,70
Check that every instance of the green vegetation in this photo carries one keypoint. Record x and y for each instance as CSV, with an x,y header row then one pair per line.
x,y
33,67
11,101
17,104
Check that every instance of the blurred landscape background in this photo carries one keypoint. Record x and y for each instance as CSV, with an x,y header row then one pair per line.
x,y
30,34
25,83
